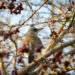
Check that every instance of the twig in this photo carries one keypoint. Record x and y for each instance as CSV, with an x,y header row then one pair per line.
x,y
3,68
34,13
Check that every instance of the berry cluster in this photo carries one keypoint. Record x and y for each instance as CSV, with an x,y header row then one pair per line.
x,y
18,9
2,54
14,72
57,57
38,49
51,63
73,2
54,34
53,21
6,35
12,8
2,5
22,50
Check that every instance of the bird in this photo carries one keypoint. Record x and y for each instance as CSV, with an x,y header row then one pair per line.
x,y
32,42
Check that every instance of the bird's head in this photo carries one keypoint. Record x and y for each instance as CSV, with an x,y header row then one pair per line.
x,y
33,31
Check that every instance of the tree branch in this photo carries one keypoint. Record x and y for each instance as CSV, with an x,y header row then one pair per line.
x,y
41,58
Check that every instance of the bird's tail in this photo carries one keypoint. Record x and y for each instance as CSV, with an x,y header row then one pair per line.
x,y
31,53
31,57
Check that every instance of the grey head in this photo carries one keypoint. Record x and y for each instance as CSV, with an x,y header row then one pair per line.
x,y
33,31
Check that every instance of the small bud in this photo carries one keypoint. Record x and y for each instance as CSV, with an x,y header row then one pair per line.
x,y
37,62
20,60
20,5
2,54
53,66
73,60
2,3
5,35
14,72
20,50
16,30
41,73
11,6
73,2
44,66
66,63
60,57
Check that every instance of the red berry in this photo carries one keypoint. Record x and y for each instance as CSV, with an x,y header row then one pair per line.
x,y
14,59
54,33
60,57
36,62
19,12
10,33
11,1
20,5
67,31
16,30
11,11
73,60
6,35
0,7
2,3
51,35
20,60
14,11
53,21
2,54
62,72
14,0
11,6
73,2
41,73
44,66
49,59
62,30
14,72
58,54
53,66
38,49
20,50
25,49
66,63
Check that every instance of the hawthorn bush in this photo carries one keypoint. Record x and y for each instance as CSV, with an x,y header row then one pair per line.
x,y
56,56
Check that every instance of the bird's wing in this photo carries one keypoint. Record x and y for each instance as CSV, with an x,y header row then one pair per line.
x,y
38,42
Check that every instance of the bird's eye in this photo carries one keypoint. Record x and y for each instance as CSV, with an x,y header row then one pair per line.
x,y
35,30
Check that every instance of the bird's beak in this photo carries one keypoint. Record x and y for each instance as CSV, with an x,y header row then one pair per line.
x,y
40,29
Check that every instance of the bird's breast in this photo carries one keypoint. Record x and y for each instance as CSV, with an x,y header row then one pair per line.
x,y
34,40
